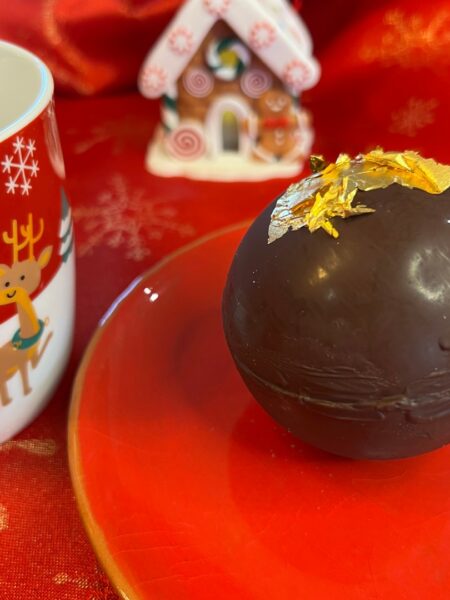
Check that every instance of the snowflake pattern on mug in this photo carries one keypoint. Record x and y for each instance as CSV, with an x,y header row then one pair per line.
x,y
20,166
181,40
262,35
217,7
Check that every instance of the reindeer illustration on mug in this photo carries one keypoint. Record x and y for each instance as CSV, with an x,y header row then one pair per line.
x,y
17,284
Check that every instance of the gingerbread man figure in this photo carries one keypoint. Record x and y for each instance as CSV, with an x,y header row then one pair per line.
x,y
278,127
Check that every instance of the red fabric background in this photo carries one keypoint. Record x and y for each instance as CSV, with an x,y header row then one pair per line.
x,y
385,81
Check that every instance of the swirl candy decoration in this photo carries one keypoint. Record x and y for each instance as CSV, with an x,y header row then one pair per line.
x,y
186,142
198,82
227,58
255,82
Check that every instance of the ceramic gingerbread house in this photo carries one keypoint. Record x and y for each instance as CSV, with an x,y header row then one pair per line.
x,y
229,74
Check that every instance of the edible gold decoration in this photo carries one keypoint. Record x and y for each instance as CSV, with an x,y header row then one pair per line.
x,y
317,163
329,192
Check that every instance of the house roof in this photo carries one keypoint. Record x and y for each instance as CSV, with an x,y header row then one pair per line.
x,y
271,28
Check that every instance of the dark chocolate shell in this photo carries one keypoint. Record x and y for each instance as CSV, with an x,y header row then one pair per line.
x,y
346,342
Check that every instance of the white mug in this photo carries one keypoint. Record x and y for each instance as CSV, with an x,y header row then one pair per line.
x,y
37,264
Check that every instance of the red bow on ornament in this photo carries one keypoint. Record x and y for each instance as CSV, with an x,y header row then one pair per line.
x,y
276,122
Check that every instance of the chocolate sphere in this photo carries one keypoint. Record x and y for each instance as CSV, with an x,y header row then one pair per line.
x,y
346,342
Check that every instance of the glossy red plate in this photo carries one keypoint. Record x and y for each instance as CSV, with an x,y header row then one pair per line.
x,y
190,491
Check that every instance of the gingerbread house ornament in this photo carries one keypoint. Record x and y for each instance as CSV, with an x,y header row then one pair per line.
x,y
229,74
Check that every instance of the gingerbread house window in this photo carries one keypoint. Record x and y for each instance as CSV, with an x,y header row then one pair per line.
x,y
231,129
225,126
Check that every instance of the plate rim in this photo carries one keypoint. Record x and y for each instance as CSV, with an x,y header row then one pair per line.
x,y
94,531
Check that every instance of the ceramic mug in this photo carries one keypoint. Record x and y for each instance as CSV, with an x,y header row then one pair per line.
x,y
37,274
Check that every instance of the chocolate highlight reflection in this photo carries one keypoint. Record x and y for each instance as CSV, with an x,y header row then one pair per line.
x,y
346,341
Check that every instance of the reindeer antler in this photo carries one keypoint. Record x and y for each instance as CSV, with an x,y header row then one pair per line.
x,y
27,232
13,239
29,239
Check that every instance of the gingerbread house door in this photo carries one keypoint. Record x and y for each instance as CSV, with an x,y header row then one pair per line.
x,y
225,124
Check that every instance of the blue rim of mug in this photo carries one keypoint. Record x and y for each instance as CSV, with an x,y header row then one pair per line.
x,y
42,99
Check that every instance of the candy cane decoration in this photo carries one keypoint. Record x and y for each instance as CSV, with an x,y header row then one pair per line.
x,y
198,82
169,113
186,142
255,82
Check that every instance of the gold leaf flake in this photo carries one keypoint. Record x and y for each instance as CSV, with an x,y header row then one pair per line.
x,y
330,193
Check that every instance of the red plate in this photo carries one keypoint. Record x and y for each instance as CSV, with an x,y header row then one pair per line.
x,y
190,491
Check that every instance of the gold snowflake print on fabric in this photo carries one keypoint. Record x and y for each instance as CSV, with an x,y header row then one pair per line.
x,y
80,582
4,518
119,134
127,219
38,447
414,116
95,587
412,40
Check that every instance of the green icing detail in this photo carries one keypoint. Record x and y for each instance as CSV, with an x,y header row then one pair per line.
x,y
64,204
68,252
225,43
65,208
67,233
170,102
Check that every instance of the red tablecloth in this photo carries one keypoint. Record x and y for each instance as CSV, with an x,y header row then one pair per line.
x,y
386,68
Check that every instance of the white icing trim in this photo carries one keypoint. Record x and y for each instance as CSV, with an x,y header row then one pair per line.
x,y
227,166
214,118
291,42
169,117
172,91
288,17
